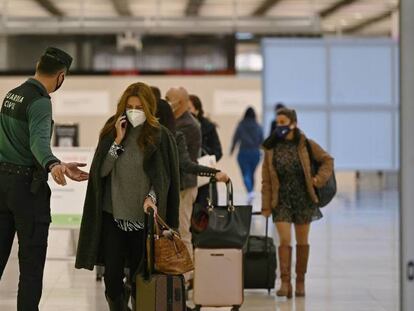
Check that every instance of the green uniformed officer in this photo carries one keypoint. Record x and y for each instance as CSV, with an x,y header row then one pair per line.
x,y
25,161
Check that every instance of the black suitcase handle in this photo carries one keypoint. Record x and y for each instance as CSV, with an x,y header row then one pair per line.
x,y
149,236
267,222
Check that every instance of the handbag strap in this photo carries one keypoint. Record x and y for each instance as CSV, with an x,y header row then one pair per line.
x,y
311,158
229,187
161,222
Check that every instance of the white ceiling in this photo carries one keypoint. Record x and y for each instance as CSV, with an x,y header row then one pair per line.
x,y
345,17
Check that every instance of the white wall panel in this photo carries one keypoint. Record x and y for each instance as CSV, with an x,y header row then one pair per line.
x,y
315,126
295,74
361,74
362,140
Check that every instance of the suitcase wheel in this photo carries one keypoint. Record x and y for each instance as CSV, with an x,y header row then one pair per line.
x,y
235,308
197,308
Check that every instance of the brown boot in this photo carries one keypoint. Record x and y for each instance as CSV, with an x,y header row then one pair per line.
x,y
285,257
302,256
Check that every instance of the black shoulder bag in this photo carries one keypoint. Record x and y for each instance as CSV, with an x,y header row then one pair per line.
x,y
327,192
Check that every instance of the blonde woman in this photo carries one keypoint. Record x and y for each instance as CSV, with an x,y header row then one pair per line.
x,y
135,168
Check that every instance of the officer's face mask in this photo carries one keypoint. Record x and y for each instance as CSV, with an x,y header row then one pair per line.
x,y
136,117
58,85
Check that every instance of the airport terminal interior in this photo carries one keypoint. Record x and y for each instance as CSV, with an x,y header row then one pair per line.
x,y
335,62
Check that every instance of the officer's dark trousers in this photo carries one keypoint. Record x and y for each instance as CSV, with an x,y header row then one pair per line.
x,y
27,214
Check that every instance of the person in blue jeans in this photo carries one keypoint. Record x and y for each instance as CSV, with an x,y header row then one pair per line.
x,y
249,135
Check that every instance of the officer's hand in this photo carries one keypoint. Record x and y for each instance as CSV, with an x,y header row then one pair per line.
x,y
120,126
58,174
74,173
222,177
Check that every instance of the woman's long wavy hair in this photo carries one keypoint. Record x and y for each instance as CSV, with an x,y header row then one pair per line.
x,y
149,106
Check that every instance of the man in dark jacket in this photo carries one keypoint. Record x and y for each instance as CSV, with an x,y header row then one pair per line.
x,y
210,145
26,159
189,126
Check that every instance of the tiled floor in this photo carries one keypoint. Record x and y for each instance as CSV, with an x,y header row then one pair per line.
x,y
353,265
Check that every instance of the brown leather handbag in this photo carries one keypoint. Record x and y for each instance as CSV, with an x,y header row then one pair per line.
x,y
171,256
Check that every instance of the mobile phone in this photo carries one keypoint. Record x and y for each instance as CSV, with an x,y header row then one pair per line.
x,y
125,123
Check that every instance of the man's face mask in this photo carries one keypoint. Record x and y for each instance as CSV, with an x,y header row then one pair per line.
x,y
175,105
58,85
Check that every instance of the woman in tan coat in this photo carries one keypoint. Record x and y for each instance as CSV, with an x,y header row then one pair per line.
x,y
288,193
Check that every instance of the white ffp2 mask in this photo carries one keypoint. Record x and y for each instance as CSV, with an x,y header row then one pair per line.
x,y
136,117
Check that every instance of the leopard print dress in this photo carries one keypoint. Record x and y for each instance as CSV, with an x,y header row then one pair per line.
x,y
295,204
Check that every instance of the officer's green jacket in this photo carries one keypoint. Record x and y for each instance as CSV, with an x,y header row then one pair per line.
x,y
26,126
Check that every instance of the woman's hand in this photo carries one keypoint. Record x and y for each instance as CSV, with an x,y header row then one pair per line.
x,y
120,126
266,212
222,177
148,203
315,182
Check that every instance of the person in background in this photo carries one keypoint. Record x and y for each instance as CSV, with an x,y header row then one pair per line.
x,y
135,168
189,126
288,193
157,93
187,166
273,125
210,142
249,135
26,159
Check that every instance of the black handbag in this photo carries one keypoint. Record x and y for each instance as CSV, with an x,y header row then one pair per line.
x,y
221,226
328,191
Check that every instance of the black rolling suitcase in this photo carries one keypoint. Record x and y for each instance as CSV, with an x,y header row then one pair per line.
x,y
260,261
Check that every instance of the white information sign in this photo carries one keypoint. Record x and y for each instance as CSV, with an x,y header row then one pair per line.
x,y
235,102
84,103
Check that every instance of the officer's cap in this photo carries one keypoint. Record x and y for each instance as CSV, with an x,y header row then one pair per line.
x,y
61,56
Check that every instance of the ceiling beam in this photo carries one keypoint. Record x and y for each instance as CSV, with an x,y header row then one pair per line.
x,y
335,7
50,7
370,21
193,7
122,7
265,6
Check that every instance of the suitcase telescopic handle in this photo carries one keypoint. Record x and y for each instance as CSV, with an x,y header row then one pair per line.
x,y
149,244
267,223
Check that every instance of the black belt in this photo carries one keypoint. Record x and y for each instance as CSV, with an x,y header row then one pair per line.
x,y
16,169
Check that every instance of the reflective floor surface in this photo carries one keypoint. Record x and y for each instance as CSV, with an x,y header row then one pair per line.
x,y
353,264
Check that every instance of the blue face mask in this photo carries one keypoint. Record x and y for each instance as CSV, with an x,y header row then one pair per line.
x,y
282,131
